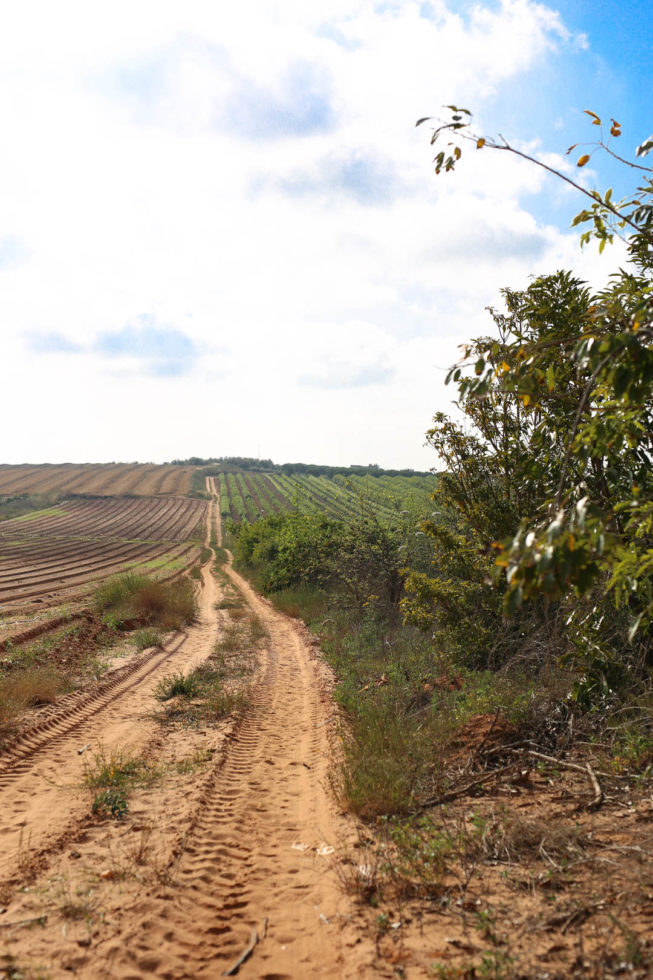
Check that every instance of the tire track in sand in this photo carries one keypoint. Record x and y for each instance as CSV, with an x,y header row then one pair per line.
x,y
260,850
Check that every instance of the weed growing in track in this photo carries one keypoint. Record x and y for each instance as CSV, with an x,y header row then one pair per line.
x,y
111,803
177,685
115,774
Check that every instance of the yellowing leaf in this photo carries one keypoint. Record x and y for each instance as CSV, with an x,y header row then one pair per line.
x,y
595,119
525,400
583,160
480,143
457,153
615,131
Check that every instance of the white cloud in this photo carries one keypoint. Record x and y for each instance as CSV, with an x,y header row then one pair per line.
x,y
249,178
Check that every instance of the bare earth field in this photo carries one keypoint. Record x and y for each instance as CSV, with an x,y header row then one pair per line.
x,y
147,479
50,558
235,857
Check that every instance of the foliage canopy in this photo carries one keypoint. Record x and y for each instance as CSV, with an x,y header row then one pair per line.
x,y
552,489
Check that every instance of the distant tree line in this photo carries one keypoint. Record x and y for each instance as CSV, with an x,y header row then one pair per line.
x,y
314,469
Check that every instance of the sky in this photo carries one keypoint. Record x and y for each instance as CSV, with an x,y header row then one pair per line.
x,y
221,232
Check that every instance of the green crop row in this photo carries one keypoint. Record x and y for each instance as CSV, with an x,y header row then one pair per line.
x,y
248,496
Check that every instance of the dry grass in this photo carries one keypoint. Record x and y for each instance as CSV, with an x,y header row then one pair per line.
x,y
133,600
26,688
516,838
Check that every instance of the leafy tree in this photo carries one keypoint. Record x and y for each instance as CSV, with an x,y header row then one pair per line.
x,y
559,471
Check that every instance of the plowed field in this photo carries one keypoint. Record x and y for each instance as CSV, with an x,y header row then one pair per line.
x,y
145,479
47,555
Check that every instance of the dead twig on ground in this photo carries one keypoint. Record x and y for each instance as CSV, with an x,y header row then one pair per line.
x,y
455,793
41,919
596,786
245,955
566,765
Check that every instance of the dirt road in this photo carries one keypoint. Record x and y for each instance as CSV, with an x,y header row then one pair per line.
x,y
244,848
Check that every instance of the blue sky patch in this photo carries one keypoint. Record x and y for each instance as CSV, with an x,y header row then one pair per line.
x,y
164,351
357,176
300,107
13,251
52,343
160,351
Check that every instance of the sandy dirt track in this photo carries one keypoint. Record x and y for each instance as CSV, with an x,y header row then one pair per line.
x,y
248,843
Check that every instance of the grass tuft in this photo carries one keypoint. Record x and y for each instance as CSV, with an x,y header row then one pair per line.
x,y
25,688
148,636
177,685
134,600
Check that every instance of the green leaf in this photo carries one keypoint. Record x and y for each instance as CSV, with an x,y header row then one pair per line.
x,y
513,600
644,148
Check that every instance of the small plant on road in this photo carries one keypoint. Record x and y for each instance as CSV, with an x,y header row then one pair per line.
x,y
111,803
114,774
177,685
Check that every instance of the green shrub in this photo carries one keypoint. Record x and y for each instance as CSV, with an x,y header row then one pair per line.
x,y
117,592
111,802
177,685
149,636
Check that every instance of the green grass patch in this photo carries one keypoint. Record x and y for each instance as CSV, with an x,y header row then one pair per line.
x,y
221,557
148,636
38,514
177,685
163,562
